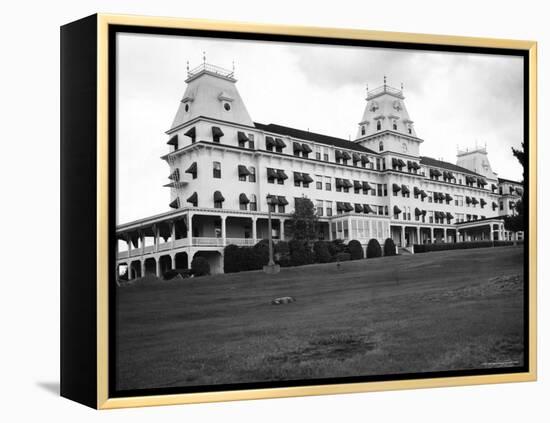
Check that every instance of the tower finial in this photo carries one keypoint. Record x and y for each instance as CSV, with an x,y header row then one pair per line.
x,y
401,86
188,66
203,57
233,66
367,88
384,80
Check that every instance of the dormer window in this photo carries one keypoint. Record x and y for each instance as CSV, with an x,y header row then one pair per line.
x,y
186,107
378,126
227,106
381,144
363,130
395,126
410,130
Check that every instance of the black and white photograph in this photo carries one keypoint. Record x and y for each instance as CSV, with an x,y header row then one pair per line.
x,y
291,213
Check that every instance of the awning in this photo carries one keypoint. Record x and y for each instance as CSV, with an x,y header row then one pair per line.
x,y
280,143
396,210
481,181
243,199
495,205
358,208
423,193
470,179
348,207
243,171
482,202
338,154
436,172
347,183
270,142
338,182
242,137
423,212
193,199
173,141
449,216
282,200
367,209
355,157
448,197
416,191
357,184
405,189
519,191
339,206
192,168
175,204
296,146
493,187
400,163
281,174
366,186
468,200
364,159
396,188
307,179
217,132
417,212
272,173
409,164
191,133
298,177
306,148
474,200
346,155
416,165
218,197
394,162
175,175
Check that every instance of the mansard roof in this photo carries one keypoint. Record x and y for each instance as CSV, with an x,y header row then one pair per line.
x,y
312,136
509,181
429,161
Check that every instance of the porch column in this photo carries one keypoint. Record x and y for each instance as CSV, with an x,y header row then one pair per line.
x,y
403,236
431,234
418,235
129,244
330,230
491,235
156,235
190,228
254,234
350,236
223,229
142,267
444,234
173,233
158,270
142,238
282,225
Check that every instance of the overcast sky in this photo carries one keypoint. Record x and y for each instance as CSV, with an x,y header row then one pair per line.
x,y
455,99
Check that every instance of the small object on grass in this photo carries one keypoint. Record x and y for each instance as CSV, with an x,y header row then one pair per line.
x,y
283,300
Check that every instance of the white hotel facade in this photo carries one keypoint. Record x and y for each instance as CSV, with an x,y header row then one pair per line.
x,y
223,166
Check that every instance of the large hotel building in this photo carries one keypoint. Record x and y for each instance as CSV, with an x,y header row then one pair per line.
x,y
223,166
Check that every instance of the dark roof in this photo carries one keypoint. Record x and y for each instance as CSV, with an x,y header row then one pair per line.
x,y
445,165
509,181
312,136
479,220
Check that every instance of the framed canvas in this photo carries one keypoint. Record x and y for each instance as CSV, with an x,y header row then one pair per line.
x,y
257,211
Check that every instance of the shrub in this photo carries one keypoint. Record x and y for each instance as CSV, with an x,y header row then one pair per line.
x,y
260,254
321,251
232,259
389,247
355,250
300,253
285,261
200,266
336,246
282,248
343,257
374,249
171,274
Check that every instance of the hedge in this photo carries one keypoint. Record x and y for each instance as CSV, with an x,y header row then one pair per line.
x,y
389,247
425,248
355,250
374,249
321,249
343,257
200,266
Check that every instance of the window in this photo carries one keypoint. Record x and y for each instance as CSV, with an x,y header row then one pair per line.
x,y
251,141
319,181
431,216
281,208
328,183
460,217
187,107
227,107
406,193
363,131
253,204
394,126
468,217
329,207
317,152
356,188
404,147
380,144
459,200
378,126
325,154
272,208
410,130
217,170
430,197
252,176
218,204
379,190
319,207
243,206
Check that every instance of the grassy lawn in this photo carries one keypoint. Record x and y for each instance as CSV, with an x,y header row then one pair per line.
x,y
448,310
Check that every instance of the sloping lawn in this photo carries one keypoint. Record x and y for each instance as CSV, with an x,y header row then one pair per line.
x,y
449,310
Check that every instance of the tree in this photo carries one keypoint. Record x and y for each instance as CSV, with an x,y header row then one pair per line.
x,y
321,251
300,252
389,247
355,249
231,259
200,266
303,222
516,223
374,249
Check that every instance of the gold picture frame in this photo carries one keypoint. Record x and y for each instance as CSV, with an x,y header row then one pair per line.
x,y
102,398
